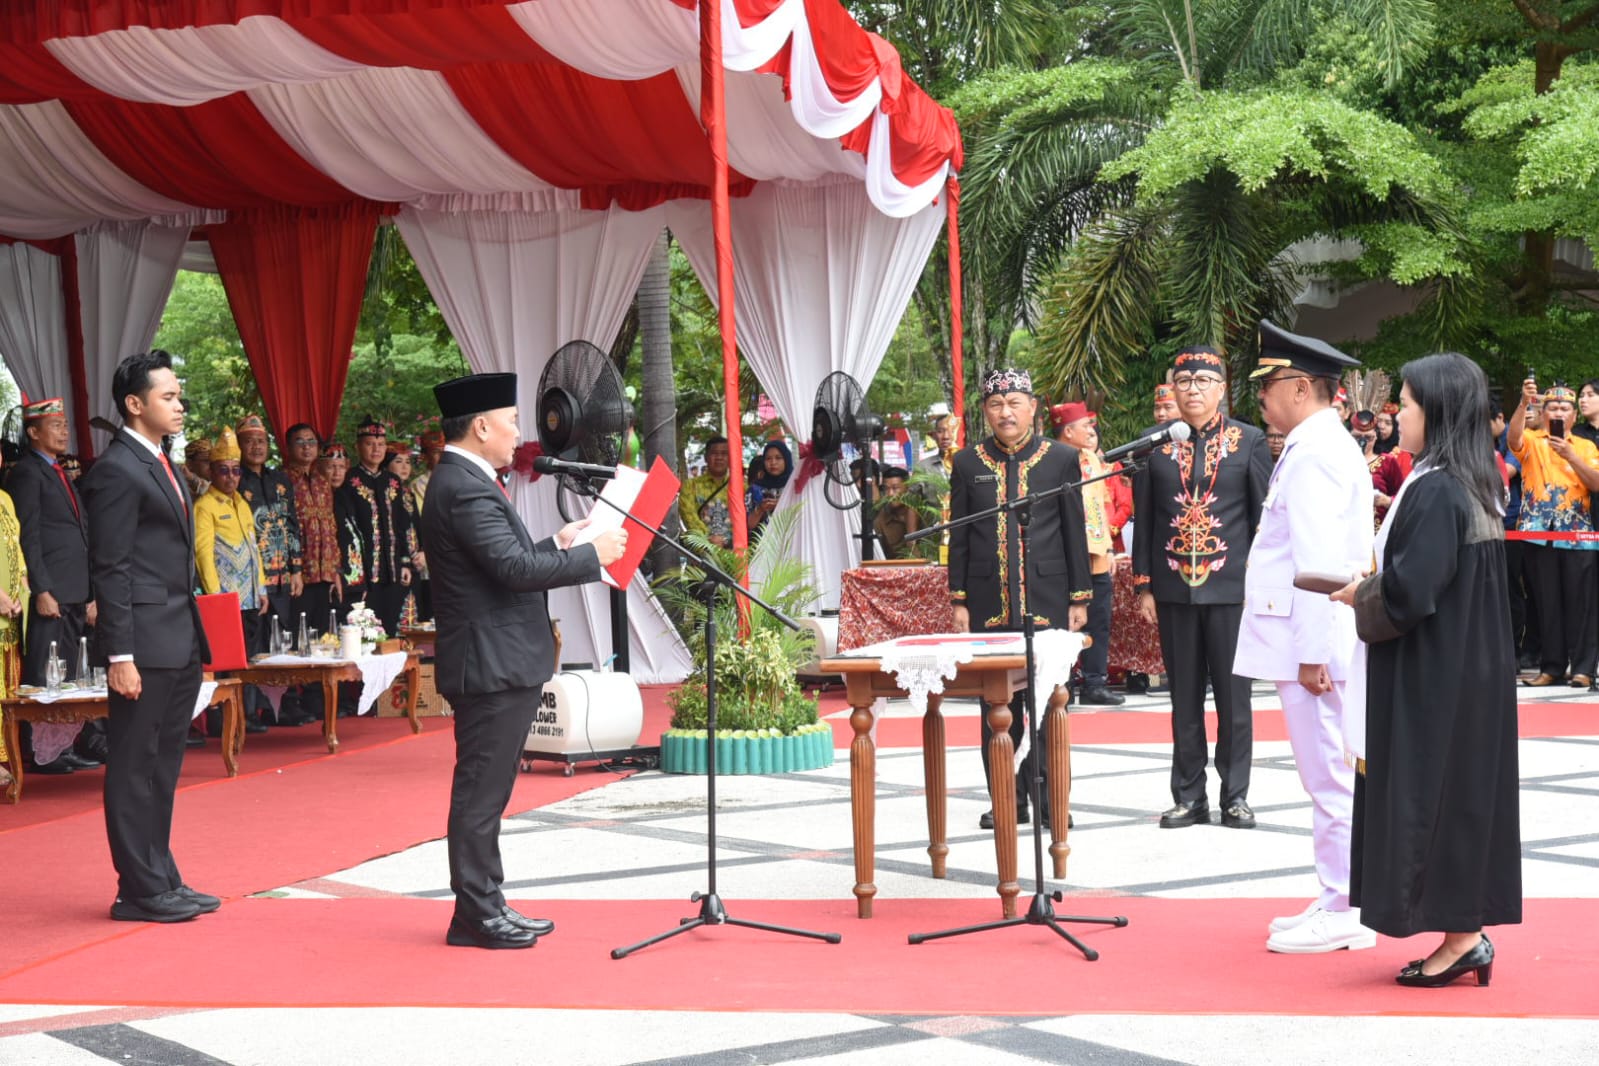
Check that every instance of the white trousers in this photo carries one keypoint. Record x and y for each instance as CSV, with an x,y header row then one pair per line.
x,y
1315,732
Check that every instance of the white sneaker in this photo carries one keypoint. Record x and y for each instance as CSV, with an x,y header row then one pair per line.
x,y
1323,931
1294,921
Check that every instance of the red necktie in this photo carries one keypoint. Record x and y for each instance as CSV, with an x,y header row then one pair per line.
x,y
66,483
506,489
167,466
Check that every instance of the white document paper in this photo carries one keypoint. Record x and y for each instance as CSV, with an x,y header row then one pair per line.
x,y
620,490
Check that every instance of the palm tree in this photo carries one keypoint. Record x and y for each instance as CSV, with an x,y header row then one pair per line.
x,y
1152,194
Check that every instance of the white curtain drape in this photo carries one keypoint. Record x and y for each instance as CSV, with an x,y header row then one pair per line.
x,y
125,274
514,287
822,281
33,325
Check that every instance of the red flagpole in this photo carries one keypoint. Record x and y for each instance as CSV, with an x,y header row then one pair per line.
x,y
956,332
714,118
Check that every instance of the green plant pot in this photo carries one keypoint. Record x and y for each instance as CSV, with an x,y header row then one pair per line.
x,y
683,752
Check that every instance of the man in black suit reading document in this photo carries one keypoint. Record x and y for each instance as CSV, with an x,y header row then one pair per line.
x,y
141,565
494,649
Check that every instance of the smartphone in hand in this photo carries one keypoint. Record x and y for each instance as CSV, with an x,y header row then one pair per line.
x,y
1557,428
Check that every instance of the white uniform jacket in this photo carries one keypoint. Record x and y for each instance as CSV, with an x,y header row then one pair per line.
x,y
1317,516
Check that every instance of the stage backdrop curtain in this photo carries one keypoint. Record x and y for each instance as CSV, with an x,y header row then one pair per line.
x,y
125,274
516,278
33,328
294,278
822,280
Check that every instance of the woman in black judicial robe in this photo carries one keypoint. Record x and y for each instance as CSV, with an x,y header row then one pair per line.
x,y
1436,833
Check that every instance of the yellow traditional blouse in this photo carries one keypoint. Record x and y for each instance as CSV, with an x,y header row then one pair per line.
x,y
14,579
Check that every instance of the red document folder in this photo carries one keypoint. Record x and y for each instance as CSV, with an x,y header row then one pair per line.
x,y
655,497
224,631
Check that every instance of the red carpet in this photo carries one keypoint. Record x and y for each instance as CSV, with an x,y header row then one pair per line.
x,y
293,813
1177,956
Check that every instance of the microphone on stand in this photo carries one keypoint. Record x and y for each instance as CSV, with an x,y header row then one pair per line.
x,y
548,464
1171,431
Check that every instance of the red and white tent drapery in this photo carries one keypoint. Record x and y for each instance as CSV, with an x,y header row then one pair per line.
x,y
161,114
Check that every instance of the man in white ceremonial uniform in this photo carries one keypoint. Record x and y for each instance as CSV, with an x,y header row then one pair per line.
x,y
1317,518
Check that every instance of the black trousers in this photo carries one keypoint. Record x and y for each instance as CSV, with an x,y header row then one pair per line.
x,y
1095,660
63,631
1198,642
1523,616
490,731
1564,591
313,603
146,741
387,600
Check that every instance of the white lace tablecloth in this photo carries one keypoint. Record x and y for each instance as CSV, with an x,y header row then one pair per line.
x,y
50,739
921,665
377,673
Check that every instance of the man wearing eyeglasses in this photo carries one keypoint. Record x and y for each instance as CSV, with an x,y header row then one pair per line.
x,y
1197,503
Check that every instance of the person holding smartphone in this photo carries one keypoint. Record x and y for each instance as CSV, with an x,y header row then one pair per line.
x,y
1558,471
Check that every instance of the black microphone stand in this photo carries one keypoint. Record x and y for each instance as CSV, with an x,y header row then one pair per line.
x,y
712,911
1041,910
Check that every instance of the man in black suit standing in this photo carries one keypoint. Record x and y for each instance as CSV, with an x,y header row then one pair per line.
x,y
494,650
55,545
141,561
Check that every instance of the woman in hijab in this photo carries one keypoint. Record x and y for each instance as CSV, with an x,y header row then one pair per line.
x,y
776,467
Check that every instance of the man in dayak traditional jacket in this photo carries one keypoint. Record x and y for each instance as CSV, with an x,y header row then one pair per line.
x,y
984,580
1197,503
373,527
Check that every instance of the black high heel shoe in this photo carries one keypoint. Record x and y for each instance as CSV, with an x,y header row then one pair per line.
x,y
1480,959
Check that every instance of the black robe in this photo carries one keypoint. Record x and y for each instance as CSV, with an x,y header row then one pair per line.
x,y
1437,840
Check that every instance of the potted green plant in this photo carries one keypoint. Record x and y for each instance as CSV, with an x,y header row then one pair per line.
x,y
766,723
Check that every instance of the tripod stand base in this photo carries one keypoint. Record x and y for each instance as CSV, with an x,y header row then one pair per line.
x,y
1040,912
712,912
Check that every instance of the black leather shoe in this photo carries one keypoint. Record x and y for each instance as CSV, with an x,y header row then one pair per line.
x,y
536,926
206,903
1137,684
1100,696
1186,814
78,762
254,724
498,932
194,740
1237,815
986,820
296,717
167,907
1479,959
55,767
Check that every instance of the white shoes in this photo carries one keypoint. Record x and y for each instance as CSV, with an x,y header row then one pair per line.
x,y
1294,921
1322,931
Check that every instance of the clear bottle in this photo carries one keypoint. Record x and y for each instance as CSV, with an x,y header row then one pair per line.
x,y
302,639
81,676
52,671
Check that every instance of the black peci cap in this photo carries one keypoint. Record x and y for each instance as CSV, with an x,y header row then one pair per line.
x,y
475,394
1280,349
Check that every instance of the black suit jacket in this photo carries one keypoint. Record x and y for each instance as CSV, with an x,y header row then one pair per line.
x,y
982,555
1194,519
55,535
141,558
489,581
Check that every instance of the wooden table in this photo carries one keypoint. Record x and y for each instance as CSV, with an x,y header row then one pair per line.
x,y
328,674
87,708
992,679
